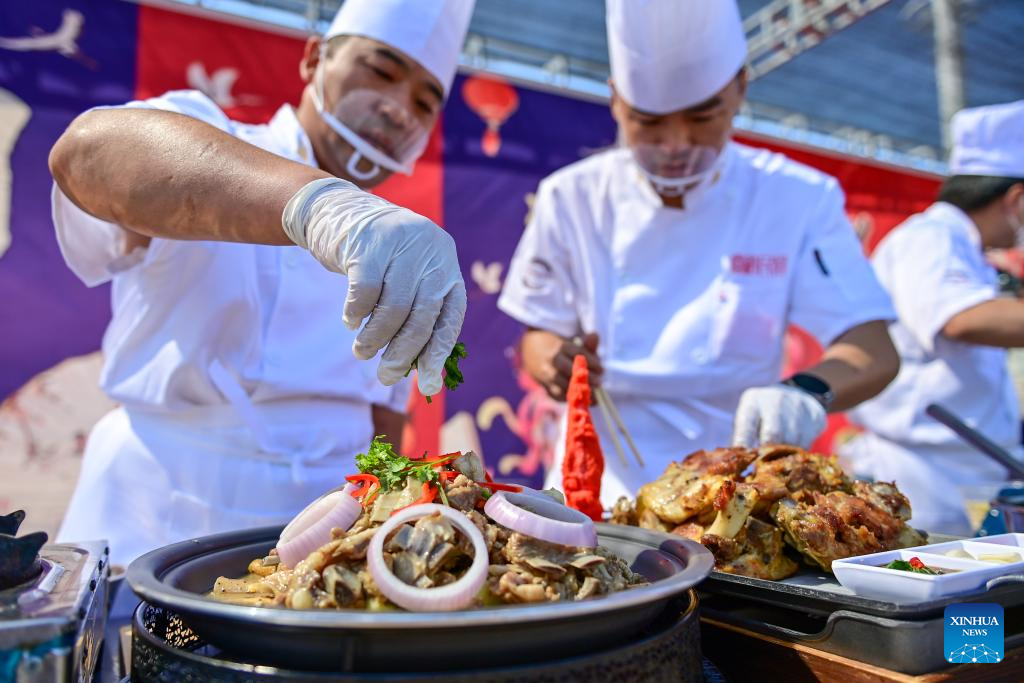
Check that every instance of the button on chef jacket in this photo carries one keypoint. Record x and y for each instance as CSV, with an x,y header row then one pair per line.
x,y
690,305
241,398
934,268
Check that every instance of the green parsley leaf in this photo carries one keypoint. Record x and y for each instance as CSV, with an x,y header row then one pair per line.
x,y
452,373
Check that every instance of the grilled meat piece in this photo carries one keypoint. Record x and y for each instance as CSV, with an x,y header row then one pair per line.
x,y
724,461
837,525
785,471
678,495
884,495
757,550
624,512
687,489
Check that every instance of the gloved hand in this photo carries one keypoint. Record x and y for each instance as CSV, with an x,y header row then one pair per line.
x,y
777,414
402,271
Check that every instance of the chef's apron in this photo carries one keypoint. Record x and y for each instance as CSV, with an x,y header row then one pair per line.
x,y
148,479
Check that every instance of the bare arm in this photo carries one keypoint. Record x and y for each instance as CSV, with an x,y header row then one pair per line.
x,y
859,364
389,424
163,174
999,322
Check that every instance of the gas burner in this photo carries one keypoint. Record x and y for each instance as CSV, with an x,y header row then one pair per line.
x,y
165,648
53,602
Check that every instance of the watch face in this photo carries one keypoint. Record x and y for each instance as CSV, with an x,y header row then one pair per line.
x,y
812,384
815,386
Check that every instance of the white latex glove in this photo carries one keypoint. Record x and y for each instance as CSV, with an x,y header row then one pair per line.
x,y
777,414
402,271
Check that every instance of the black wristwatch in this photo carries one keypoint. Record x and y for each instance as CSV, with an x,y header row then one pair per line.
x,y
813,385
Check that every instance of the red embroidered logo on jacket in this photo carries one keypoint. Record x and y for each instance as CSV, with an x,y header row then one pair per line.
x,y
772,266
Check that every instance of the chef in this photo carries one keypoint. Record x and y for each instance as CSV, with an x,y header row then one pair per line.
x,y
953,328
244,258
679,258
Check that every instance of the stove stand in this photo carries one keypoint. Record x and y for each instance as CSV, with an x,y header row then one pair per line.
x,y
165,650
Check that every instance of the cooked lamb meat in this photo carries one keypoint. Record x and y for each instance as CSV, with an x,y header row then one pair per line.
x,y
782,471
462,493
838,525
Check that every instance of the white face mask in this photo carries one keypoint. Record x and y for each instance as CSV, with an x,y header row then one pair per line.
x,y
674,171
380,130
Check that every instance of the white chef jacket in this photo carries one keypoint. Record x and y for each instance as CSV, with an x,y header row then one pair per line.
x,y
933,267
690,305
241,399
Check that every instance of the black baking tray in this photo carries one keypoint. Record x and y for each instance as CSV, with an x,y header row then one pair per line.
x,y
813,609
820,594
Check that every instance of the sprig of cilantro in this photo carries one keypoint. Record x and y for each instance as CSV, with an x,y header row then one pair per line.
x,y
392,469
452,373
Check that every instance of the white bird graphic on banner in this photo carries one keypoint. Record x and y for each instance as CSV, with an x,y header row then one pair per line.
x,y
14,114
218,85
487,276
63,41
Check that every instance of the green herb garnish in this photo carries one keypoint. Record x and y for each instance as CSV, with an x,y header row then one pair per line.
x,y
393,469
905,566
452,374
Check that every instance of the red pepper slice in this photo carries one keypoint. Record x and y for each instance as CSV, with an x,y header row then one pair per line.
x,y
429,493
916,563
495,486
448,474
487,476
366,482
362,479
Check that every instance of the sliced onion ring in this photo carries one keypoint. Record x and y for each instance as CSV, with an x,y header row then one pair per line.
x,y
543,518
444,598
311,528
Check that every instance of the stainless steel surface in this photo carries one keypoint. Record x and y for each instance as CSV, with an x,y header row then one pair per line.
x,y
56,629
977,439
176,577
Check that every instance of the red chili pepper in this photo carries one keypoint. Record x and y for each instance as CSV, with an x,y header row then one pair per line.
x,y
487,476
495,486
362,478
916,563
429,493
365,482
448,474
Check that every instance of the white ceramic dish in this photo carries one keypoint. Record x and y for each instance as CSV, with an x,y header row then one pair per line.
x,y
868,577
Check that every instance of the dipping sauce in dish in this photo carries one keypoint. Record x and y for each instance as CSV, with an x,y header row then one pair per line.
x,y
916,566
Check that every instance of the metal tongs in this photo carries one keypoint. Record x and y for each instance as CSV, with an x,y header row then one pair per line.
x,y
977,439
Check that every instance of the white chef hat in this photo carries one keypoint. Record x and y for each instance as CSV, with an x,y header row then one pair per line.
x,y
668,55
429,31
989,141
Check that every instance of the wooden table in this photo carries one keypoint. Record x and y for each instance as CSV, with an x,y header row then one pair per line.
x,y
744,655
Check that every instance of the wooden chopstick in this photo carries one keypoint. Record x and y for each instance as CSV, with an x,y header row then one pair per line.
x,y
605,401
601,403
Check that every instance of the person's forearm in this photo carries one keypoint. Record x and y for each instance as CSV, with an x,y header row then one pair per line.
x,y
388,424
858,365
162,174
999,322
